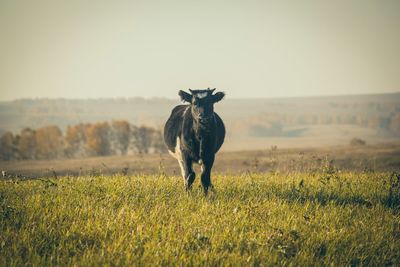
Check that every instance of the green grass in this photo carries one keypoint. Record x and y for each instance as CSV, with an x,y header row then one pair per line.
x,y
326,218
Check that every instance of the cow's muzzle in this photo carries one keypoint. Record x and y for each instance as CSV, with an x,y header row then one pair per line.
x,y
205,119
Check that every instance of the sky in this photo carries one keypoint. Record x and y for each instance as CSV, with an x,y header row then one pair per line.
x,y
99,49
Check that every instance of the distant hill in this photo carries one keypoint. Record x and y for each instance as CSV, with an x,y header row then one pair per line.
x,y
251,123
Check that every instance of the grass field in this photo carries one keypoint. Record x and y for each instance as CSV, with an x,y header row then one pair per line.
x,y
326,217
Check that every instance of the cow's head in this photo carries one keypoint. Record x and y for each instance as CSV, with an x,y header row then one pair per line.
x,y
202,103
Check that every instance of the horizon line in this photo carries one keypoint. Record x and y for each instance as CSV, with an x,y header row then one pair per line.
x,y
168,98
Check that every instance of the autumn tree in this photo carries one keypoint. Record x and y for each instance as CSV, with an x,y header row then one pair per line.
x,y
120,135
157,142
49,142
27,144
7,148
97,139
142,138
75,140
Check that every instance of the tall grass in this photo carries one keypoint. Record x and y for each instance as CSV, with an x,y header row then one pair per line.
x,y
321,218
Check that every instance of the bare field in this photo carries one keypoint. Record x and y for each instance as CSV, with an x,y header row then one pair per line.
x,y
308,136
380,157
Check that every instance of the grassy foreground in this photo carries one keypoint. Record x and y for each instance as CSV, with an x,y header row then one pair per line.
x,y
325,218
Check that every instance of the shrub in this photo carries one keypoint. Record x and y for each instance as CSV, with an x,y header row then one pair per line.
x,y
357,142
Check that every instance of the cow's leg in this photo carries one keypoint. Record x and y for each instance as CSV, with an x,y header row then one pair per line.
x,y
206,173
188,174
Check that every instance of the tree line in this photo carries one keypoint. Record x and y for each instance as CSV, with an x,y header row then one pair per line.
x,y
81,140
273,123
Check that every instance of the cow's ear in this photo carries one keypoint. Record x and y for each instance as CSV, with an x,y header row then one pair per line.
x,y
185,96
218,97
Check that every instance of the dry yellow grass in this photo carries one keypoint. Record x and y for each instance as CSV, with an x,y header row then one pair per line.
x,y
299,218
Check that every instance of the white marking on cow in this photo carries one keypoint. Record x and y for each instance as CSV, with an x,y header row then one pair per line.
x,y
202,95
184,113
178,155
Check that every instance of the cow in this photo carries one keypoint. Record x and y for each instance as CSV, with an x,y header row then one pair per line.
x,y
194,133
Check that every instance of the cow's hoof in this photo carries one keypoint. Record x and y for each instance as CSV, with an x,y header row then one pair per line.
x,y
189,181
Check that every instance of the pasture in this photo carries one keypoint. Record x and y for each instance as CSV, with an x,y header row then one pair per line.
x,y
320,217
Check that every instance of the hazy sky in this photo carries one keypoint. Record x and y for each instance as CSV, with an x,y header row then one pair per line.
x,y
79,49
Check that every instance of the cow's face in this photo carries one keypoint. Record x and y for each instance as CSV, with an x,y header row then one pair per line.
x,y
202,103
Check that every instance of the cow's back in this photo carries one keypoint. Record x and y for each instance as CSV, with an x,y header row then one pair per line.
x,y
220,132
173,126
